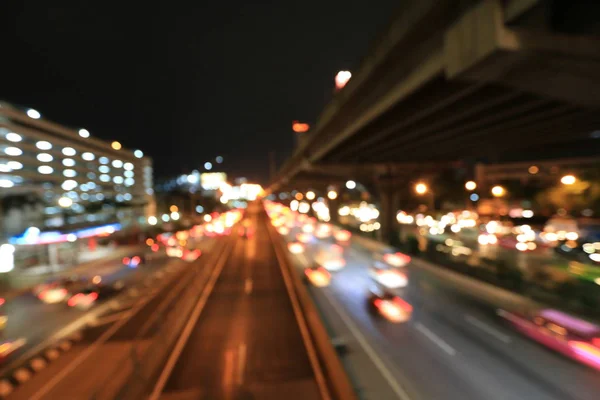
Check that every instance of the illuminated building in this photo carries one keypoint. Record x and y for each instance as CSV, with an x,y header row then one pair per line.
x,y
53,177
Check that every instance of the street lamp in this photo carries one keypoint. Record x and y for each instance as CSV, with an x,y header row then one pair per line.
x,y
342,78
421,188
310,195
65,202
116,145
351,184
498,191
332,195
470,185
568,180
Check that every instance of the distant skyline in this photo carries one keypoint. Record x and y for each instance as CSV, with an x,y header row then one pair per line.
x,y
186,85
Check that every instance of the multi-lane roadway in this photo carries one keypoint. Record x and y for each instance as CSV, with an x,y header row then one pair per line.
x,y
452,348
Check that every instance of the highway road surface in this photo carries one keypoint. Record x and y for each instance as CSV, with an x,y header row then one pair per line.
x,y
246,343
453,348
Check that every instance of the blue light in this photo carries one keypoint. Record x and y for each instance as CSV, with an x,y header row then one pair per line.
x,y
474,197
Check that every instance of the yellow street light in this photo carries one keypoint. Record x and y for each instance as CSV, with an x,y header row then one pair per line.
x,y
173,208
310,195
332,195
498,191
65,202
421,188
533,169
470,185
116,145
568,180
299,196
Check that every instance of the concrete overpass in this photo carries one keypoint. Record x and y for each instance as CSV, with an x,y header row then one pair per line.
x,y
460,80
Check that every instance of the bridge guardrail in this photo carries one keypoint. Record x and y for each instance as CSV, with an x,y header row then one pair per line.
x,y
338,385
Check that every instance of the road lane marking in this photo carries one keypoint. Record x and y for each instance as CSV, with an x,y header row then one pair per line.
x,y
487,328
110,319
248,286
241,363
435,339
227,378
371,353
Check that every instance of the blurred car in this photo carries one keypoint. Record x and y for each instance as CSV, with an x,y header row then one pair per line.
x,y
390,277
58,290
134,261
3,317
317,276
191,255
566,334
89,295
388,305
342,236
8,347
296,248
396,259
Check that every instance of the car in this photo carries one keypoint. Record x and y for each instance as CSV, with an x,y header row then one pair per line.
x,y
58,290
90,295
134,261
317,276
3,316
388,305
396,259
390,277
571,336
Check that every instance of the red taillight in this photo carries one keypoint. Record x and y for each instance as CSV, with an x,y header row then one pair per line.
x,y
596,342
377,303
403,304
73,300
2,301
126,260
136,260
154,247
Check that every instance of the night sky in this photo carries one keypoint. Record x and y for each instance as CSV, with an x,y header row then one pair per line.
x,y
185,84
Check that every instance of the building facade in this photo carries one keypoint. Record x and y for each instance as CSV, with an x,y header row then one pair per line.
x,y
54,177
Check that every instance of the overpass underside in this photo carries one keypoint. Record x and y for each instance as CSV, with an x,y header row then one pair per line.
x,y
476,88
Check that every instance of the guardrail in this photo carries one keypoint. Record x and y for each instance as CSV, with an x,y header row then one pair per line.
x,y
135,375
329,371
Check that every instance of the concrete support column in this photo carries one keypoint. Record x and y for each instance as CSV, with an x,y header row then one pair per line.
x,y
390,202
334,205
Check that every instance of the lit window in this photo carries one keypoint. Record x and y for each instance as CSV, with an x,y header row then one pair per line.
x,y
117,163
31,113
85,196
69,151
119,197
83,188
14,165
103,160
84,133
104,169
44,157
6,183
69,184
128,174
127,196
91,175
13,151
69,173
68,162
118,180
5,168
128,166
149,191
138,153
91,185
43,145
45,169
87,156
100,196
129,182
13,137
105,178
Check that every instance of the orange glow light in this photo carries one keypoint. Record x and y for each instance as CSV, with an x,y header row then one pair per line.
x,y
300,127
